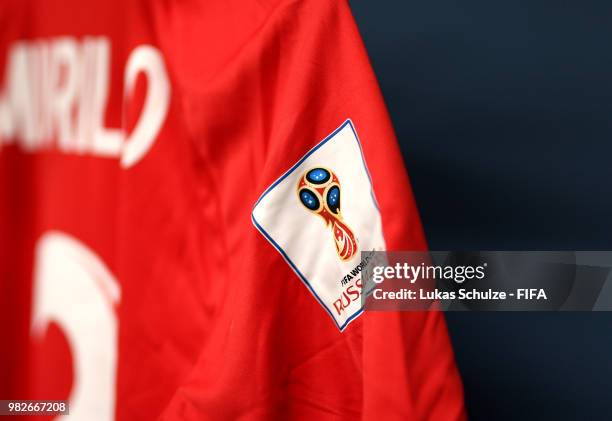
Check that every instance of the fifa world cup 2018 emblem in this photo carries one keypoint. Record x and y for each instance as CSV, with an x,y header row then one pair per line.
x,y
319,191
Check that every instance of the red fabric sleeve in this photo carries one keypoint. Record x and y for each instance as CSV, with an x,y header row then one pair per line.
x,y
297,77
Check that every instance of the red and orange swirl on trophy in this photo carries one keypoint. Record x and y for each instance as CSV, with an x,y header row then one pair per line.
x,y
319,191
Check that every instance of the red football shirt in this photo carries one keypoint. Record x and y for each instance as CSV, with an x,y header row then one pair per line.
x,y
186,189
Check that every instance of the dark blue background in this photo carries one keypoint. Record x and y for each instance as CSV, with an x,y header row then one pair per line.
x,y
504,114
